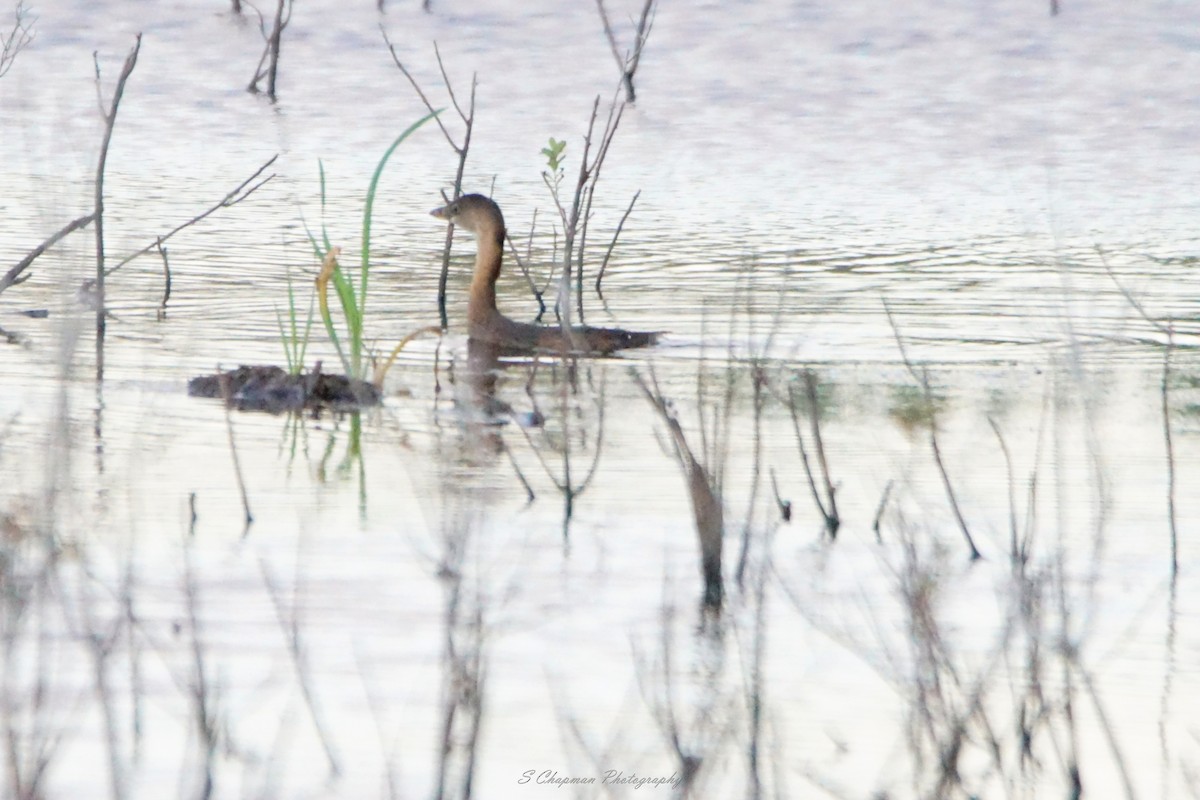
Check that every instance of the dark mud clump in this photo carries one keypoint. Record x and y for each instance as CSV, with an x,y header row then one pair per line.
x,y
272,389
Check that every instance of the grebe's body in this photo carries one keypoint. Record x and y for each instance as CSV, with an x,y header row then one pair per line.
x,y
481,217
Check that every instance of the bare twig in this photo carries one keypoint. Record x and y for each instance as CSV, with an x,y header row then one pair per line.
x,y
235,196
16,39
575,218
613,243
15,276
610,130
162,306
922,379
468,119
270,55
110,119
537,293
628,63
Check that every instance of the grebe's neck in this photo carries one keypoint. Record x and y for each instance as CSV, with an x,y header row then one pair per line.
x,y
490,244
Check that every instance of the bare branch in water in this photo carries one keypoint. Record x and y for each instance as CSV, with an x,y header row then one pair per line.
x,y
537,293
613,243
270,55
468,118
16,39
922,379
628,63
110,119
575,218
162,306
232,198
15,276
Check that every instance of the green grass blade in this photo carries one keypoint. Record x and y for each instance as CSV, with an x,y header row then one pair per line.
x,y
283,338
366,227
333,337
324,230
345,293
308,323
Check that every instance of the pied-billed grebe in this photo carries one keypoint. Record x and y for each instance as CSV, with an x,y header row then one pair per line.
x,y
480,216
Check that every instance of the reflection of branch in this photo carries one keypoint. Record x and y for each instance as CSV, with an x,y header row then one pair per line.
x,y
1166,412
1016,550
14,276
707,512
1129,297
827,505
227,396
922,379
567,486
237,195
289,624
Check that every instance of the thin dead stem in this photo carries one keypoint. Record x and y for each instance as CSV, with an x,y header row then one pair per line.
x,y
613,243
461,150
628,63
270,55
110,120
14,276
239,193
17,39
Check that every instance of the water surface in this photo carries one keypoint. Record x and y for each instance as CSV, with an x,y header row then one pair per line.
x,y
1018,190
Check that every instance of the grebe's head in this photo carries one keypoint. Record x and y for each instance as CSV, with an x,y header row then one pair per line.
x,y
473,213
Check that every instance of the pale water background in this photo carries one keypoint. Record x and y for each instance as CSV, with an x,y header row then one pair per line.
x,y
799,164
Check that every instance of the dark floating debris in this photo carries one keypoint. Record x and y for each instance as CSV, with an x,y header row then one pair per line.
x,y
272,389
